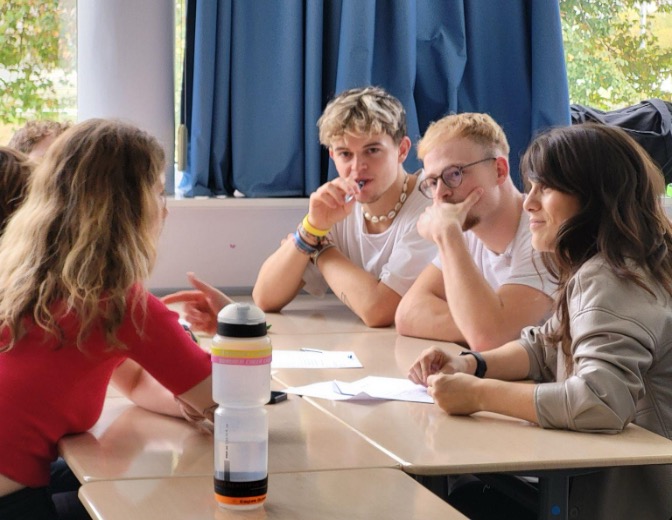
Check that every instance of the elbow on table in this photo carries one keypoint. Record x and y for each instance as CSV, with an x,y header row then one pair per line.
x,y
482,339
483,343
404,326
266,303
403,319
376,319
575,405
606,417
611,427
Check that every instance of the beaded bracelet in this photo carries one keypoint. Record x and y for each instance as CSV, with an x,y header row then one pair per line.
x,y
303,246
312,229
309,238
316,254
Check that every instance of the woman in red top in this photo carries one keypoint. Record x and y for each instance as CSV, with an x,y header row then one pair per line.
x,y
74,315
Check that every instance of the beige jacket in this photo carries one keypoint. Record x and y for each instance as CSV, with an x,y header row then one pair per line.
x,y
622,372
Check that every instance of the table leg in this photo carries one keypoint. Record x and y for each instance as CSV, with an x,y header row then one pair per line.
x,y
554,496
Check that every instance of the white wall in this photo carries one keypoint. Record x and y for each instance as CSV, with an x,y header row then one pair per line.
x,y
125,55
125,70
223,241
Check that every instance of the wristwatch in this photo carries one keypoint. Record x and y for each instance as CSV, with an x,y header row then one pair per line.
x,y
481,365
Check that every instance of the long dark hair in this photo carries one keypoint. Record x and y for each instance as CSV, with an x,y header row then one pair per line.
x,y
621,217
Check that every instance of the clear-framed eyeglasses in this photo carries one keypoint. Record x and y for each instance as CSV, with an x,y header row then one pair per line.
x,y
451,177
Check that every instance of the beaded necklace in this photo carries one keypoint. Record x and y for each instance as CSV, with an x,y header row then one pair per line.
x,y
393,212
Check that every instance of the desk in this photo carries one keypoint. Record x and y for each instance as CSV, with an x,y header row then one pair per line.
x,y
374,494
129,442
310,315
428,442
383,353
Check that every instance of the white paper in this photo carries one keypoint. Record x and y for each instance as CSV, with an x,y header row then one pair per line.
x,y
314,359
371,387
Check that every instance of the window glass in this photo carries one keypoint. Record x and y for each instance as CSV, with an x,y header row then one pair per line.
x,y
38,62
618,52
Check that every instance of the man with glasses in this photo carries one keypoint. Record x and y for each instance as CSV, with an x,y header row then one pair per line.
x,y
483,287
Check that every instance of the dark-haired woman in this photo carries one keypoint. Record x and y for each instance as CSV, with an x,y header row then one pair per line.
x,y
605,357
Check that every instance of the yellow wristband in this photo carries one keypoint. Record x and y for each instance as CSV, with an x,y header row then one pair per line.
x,y
312,229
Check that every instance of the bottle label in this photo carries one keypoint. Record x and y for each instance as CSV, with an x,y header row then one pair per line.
x,y
242,353
242,357
241,493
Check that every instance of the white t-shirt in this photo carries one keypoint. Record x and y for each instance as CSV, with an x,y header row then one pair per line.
x,y
396,256
513,266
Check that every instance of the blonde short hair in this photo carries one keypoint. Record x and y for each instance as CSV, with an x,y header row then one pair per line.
x,y
480,128
367,111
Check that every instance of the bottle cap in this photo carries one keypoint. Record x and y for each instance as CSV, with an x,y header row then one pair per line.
x,y
241,320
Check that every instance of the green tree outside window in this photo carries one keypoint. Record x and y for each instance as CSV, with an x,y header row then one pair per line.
x,y
613,53
618,52
37,60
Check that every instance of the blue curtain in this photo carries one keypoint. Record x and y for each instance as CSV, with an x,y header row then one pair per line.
x,y
259,73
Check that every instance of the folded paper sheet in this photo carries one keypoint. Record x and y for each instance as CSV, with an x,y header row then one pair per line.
x,y
371,387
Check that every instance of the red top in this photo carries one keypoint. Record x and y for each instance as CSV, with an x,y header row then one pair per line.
x,y
48,392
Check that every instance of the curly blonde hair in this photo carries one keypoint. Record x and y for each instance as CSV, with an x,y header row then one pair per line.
x,y
86,233
366,110
30,134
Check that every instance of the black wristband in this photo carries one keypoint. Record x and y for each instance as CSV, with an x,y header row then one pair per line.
x,y
481,365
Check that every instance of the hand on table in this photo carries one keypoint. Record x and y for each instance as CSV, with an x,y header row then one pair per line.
x,y
456,394
201,305
435,361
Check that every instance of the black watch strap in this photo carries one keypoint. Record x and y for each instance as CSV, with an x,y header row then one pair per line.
x,y
481,365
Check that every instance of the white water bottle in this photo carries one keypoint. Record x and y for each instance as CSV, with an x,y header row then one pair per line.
x,y
241,385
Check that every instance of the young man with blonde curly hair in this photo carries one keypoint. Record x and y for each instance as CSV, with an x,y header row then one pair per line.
x,y
359,237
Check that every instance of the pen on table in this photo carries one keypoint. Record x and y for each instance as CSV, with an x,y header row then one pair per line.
x,y
312,350
351,196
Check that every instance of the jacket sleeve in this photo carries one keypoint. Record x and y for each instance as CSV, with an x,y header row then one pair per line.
x,y
611,352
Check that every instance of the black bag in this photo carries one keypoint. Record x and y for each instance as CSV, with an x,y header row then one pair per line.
x,y
648,122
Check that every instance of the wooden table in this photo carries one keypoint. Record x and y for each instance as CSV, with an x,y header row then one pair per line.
x,y
383,353
129,442
366,494
320,435
428,442
310,315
